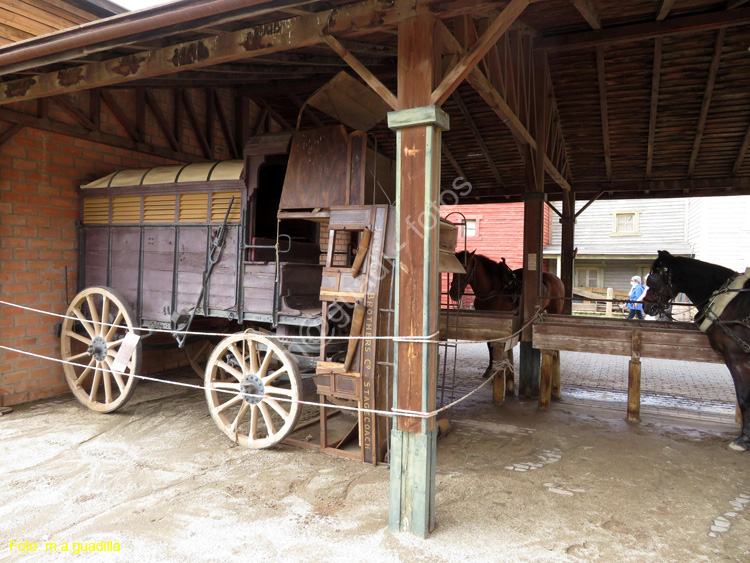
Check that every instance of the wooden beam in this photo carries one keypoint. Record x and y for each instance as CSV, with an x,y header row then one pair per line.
x,y
497,103
604,112
241,122
732,4
710,82
741,154
226,129
587,9
454,163
717,183
140,113
262,116
73,110
196,125
178,114
273,113
643,31
119,114
477,136
303,31
45,124
469,61
95,108
11,132
655,78
666,5
372,81
153,105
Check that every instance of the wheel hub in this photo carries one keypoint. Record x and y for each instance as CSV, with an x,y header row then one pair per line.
x,y
98,348
252,385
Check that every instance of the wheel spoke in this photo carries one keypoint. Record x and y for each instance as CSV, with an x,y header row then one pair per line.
x,y
85,372
267,418
117,376
95,383
279,409
85,323
266,362
278,391
229,403
105,315
94,314
253,356
274,375
253,431
115,343
238,356
226,385
230,369
107,386
78,337
113,329
77,357
240,415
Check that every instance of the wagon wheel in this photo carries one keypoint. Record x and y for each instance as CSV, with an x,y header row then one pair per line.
x,y
197,354
252,388
91,346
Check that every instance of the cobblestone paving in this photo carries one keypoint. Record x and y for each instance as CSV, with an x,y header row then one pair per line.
x,y
692,387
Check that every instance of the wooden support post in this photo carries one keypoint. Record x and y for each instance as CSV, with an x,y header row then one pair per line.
x,y
545,381
567,254
634,380
418,126
499,383
610,296
556,383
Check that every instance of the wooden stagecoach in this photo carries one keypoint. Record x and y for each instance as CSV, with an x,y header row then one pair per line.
x,y
295,240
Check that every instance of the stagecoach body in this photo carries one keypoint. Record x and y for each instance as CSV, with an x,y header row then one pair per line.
x,y
288,241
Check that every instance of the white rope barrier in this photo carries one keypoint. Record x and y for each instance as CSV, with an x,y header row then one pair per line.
x,y
391,414
419,339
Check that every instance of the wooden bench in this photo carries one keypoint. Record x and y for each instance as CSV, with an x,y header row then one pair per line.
x,y
636,339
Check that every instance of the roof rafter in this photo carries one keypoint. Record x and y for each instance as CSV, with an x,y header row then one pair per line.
x,y
587,9
642,31
742,152
477,136
666,6
710,82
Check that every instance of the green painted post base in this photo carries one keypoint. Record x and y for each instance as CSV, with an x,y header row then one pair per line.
x,y
530,366
412,500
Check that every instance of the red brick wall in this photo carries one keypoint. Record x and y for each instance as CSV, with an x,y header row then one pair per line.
x,y
39,177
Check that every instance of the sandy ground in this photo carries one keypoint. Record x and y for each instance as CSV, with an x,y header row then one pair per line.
x,y
576,483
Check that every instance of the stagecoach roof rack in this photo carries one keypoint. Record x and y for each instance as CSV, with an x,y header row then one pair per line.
x,y
221,170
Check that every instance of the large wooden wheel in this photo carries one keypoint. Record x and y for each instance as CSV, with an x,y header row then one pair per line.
x,y
246,375
93,345
197,353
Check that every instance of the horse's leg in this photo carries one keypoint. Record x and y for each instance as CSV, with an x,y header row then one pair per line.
x,y
740,370
510,386
488,371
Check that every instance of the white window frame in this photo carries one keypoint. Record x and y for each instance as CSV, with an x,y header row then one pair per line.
x,y
599,276
636,213
465,228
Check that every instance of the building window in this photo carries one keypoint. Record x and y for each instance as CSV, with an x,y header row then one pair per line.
x,y
625,223
471,228
587,277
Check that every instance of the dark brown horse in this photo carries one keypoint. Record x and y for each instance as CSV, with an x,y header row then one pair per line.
x,y
498,288
722,297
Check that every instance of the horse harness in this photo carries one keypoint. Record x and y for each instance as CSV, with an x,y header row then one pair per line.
x,y
718,302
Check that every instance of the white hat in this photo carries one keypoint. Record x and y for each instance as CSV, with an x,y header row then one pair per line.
x,y
636,279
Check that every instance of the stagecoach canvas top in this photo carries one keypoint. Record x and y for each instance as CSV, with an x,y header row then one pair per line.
x,y
643,99
171,174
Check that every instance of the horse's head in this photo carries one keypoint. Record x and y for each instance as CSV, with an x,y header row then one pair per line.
x,y
460,281
659,285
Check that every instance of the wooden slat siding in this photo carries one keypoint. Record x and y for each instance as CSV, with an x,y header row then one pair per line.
x,y
603,110
223,281
24,23
655,77
710,82
125,257
191,260
713,222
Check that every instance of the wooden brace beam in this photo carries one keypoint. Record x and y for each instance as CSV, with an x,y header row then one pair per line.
x,y
587,9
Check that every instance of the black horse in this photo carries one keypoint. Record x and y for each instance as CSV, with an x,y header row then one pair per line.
x,y
722,297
